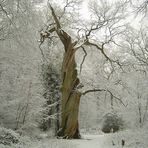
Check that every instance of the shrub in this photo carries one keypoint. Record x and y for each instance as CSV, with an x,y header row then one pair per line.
x,y
7,136
112,123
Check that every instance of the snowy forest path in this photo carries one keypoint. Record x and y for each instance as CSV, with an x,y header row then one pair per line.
x,y
132,139
95,141
87,141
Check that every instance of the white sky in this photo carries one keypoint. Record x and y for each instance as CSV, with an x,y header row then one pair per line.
x,y
84,10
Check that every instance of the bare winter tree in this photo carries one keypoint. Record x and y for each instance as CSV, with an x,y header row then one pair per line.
x,y
17,20
137,47
108,18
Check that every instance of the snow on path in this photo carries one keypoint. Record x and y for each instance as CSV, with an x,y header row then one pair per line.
x,y
95,141
133,139
87,141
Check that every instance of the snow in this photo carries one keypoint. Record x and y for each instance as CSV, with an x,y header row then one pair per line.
x,y
136,138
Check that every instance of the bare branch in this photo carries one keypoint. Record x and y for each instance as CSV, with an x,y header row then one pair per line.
x,y
7,15
69,4
88,43
85,54
104,90
142,7
43,36
136,42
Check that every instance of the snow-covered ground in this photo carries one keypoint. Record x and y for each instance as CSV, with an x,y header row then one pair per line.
x,y
133,139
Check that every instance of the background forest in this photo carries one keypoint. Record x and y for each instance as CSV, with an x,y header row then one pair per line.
x,y
111,38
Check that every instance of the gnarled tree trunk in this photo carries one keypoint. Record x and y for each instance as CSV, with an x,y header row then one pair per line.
x,y
70,94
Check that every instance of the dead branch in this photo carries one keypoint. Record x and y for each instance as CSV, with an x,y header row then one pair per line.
x,y
64,37
55,17
43,36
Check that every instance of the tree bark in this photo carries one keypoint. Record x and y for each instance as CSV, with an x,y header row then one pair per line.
x,y
70,94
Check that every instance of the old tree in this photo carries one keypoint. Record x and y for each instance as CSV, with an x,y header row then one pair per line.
x,y
108,19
